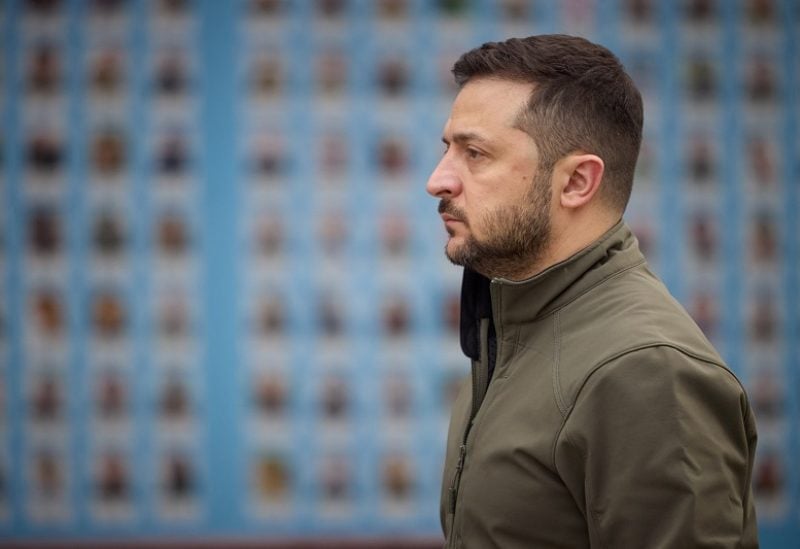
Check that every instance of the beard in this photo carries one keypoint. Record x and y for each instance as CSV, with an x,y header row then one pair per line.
x,y
517,235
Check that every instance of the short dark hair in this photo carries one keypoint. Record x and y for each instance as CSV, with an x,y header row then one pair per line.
x,y
582,100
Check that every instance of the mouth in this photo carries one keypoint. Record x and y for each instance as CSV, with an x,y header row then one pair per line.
x,y
447,218
451,215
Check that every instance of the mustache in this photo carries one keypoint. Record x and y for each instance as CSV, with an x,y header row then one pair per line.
x,y
446,206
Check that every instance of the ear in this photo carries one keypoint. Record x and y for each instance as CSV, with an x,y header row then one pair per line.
x,y
583,176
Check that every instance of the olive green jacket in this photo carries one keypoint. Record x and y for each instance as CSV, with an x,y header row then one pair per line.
x,y
609,420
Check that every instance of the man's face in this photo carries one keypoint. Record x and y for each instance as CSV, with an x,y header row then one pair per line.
x,y
494,203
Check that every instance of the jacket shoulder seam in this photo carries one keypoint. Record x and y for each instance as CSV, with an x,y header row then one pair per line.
x,y
605,362
612,358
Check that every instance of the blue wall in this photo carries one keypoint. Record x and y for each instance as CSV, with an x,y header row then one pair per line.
x,y
224,303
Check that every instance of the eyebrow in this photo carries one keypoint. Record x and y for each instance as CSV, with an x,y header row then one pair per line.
x,y
465,137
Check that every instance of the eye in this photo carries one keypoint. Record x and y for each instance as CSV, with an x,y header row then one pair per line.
x,y
473,153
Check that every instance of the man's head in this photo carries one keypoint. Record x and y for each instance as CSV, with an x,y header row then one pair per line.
x,y
582,100
542,126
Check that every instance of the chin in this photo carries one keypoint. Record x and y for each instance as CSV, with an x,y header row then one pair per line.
x,y
454,251
453,245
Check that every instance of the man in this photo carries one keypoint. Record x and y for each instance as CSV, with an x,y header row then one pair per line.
x,y
598,415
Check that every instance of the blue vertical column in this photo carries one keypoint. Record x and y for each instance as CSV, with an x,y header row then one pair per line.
x,y
790,176
606,27
732,238
220,195
302,261
140,226
5,394
669,171
14,303
76,292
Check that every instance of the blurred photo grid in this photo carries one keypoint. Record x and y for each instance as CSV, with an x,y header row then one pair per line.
x,y
346,354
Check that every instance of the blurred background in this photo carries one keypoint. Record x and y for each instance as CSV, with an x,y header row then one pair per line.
x,y
225,312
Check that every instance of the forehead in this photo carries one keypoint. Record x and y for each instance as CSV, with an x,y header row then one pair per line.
x,y
489,104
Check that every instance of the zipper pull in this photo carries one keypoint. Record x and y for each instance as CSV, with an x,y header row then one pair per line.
x,y
461,455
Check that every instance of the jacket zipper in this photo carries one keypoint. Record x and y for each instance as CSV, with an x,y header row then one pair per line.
x,y
462,452
480,382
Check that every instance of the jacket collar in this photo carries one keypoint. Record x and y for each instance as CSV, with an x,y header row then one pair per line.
x,y
512,303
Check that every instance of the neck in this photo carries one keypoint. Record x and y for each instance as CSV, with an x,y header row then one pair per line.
x,y
566,239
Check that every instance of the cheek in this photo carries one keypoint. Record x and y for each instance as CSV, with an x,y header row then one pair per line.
x,y
483,217
494,190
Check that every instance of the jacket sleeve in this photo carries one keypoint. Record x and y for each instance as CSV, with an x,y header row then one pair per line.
x,y
658,450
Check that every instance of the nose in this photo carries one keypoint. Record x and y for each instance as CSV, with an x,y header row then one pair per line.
x,y
444,181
